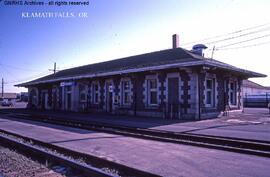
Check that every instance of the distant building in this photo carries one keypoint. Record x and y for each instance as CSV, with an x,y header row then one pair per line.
x,y
252,88
8,96
24,96
173,83
255,95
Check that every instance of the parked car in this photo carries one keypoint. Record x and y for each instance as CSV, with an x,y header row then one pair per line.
x,y
7,103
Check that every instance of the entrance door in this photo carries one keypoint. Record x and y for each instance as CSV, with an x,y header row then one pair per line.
x,y
33,98
54,100
109,97
68,101
43,101
173,107
110,101
46,100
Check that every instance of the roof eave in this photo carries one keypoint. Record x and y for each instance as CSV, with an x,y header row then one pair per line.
x,y
134,70
247,73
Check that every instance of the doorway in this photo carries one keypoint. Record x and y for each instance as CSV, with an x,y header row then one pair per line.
x,y
69,101
68,98
173,106
44,103
109,96
54,98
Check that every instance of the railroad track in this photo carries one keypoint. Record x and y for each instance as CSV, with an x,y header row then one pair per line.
x,y
84,164
259,148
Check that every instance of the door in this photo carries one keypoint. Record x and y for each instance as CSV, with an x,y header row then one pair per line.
x,y
110,101
43,101
33,98
69,101
109,97
173,107
54,100
46,100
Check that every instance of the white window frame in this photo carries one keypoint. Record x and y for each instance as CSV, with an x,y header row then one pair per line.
x,y
125,91
95,93
149,90
233,91
212,90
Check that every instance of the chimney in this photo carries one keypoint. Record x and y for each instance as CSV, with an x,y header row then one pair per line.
x,y
175,40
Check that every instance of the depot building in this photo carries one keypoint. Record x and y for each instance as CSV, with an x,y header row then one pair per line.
x,y
174,83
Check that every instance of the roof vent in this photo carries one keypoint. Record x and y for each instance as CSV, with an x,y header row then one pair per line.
x,y
198,49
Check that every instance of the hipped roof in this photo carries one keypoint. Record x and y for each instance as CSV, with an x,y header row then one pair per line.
x,y
164,59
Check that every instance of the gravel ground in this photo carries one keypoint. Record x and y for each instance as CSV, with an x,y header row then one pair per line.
x,y
66,171
13,164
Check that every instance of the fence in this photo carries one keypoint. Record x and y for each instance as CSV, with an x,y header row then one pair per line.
x,y
258,101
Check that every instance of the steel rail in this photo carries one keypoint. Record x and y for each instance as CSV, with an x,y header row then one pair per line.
x,y
86,170
259,148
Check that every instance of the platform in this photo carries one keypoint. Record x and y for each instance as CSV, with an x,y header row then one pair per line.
x,y
165,159
254,123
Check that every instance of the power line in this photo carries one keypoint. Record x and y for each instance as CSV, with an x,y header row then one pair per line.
x,y
26,79
15,67
239,36
246,46
227,45
29,78
33,77
10,73
226,34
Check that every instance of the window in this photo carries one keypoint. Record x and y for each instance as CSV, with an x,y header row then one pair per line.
x,y
152,92
126,92
232,93
95,96
82,92
68,88
210,93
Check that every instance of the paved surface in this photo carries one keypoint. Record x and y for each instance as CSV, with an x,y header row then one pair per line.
x,y
161,158
254,123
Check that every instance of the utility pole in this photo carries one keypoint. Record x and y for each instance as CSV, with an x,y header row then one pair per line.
x,y
2,87
54,68
213,52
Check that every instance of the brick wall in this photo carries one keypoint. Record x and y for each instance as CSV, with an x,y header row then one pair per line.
x,y
189,96
185,87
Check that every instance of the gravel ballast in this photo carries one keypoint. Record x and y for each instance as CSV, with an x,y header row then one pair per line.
x,y
13,164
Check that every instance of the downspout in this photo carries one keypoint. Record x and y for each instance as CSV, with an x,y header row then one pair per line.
x,y
199,96
135,95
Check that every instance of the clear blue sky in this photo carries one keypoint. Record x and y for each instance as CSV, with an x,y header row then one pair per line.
x,y
119,28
